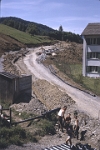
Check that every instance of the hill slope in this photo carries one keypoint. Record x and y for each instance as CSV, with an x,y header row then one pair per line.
x,y
7,43
23,25
13,39
39,29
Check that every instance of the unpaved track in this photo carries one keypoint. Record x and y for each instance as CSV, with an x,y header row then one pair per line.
x,y
84,101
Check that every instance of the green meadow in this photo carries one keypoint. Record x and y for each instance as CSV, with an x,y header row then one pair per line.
x,y
23,37
92,84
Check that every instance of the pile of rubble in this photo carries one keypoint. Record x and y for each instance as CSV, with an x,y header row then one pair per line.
x,y
9,59
51,95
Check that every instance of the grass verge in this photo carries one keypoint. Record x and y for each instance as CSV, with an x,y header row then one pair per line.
x,y
74,71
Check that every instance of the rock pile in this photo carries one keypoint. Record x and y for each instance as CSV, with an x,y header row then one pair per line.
x,y
50,95
35,106
10,58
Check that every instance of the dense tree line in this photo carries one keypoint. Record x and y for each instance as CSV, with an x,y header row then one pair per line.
x,y
39,29
66,36
26,26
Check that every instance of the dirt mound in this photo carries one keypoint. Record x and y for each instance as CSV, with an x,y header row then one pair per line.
x,y
7,43
67,53
72,54
51,95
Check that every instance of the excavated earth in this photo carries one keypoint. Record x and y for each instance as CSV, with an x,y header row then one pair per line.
x,y
8,44
46,97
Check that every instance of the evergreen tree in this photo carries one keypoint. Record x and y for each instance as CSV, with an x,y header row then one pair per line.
x,y
61,32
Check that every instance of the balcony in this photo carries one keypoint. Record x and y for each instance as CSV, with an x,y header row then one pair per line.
x,y
93,62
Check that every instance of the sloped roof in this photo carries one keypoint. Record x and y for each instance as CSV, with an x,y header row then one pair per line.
x,y
92,29
8,75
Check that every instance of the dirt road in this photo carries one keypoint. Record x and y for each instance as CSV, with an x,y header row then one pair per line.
x,y
84,101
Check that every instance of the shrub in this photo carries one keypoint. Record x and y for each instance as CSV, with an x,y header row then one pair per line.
x,y
31,137
46,127
15,140
3,143
14,135
19,131
5,133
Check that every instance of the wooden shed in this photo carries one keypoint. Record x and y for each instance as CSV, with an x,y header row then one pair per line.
x,y
15,89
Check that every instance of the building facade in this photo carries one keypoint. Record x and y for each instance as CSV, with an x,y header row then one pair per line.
x,y
91,50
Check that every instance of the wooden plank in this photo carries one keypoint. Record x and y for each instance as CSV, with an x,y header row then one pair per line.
x,y
25,87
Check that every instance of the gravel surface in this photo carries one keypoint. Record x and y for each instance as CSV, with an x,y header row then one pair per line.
x,y
51,92
82,99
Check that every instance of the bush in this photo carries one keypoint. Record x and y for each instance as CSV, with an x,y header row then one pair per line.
x,y
3,143
31,137
21,132
14,135
6,133
15,140
45,127
48,127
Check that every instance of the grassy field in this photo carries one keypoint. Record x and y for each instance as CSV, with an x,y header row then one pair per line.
x,y
88,83
23,37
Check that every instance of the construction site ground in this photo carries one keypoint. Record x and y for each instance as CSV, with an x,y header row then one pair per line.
x,y
47,96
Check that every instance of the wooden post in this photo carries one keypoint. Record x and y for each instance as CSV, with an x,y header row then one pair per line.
x,y
1,109
10,117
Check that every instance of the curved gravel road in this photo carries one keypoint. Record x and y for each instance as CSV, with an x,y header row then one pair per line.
x,y
84,101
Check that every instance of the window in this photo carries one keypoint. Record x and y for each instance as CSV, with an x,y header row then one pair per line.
x,y
88,41
93,55
93,41
93,69
98,41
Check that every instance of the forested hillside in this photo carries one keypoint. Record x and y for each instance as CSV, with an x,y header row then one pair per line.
x,y
12,39
39,29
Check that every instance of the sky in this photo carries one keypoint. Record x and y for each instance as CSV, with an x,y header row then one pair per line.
x,y
72,15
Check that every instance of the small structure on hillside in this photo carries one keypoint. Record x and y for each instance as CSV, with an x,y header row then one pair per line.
x,y
91,50
15,89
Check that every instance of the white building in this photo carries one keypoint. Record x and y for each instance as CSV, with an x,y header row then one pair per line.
x,y
91,50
